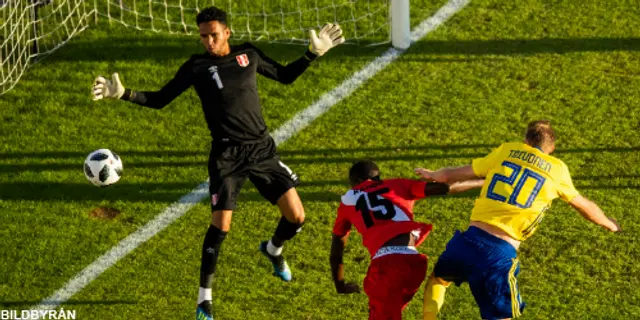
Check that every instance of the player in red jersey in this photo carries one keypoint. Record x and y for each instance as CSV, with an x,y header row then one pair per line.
x,y
382,211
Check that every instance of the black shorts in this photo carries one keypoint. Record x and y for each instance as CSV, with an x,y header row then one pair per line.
x,y
230,164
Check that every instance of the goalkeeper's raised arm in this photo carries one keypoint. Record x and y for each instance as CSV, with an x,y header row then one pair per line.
x,y
329,36
113,88
224,78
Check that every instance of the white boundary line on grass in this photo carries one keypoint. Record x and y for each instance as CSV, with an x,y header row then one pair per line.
x,y
286,131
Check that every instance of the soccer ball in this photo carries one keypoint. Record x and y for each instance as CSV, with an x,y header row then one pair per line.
x,y
103,167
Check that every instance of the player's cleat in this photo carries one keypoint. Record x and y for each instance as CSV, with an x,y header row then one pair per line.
x,y
204,311
280,267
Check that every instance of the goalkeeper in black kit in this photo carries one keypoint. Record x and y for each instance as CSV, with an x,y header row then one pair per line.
x,y
225,79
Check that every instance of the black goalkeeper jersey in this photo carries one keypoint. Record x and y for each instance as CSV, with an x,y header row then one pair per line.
x,y
227,88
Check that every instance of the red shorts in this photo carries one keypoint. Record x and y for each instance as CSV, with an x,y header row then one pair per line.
x,y
391,282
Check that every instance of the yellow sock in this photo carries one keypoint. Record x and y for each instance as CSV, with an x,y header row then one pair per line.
x,y
434,292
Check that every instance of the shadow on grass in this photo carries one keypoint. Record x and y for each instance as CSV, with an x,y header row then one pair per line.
x,y
524,46
171,191
59,160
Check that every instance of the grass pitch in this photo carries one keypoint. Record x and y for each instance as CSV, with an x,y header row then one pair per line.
x,y
464,89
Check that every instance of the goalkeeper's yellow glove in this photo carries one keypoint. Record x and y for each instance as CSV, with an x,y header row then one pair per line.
x,y
105,88
330,36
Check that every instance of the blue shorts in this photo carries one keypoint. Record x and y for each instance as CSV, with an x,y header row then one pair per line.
x,y
489,265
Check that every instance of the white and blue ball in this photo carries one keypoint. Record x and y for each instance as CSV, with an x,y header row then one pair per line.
x,y
103,167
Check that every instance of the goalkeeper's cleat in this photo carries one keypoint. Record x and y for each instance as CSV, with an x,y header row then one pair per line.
x,y
204,311
280,266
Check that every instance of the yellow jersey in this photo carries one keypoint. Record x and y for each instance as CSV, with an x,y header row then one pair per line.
x,y
520,183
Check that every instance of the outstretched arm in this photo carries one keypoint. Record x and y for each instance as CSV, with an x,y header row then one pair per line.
x,y
448,175
590,211
463,186
337,267
439,188
105,88
329,37
479,168
284,74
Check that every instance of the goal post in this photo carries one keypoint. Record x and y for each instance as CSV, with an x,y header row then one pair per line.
x,y
400,24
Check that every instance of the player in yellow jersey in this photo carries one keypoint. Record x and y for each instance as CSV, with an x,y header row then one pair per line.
x,y
522,179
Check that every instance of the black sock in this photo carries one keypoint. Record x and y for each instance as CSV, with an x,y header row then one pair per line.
x,y
285,231
210,251
277,242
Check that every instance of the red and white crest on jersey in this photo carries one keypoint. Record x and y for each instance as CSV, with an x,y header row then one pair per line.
x,y
243,60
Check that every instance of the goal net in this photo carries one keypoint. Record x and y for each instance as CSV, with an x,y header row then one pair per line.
x,y
30,29
256,20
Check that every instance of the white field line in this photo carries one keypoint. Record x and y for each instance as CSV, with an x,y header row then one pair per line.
x,y
286,131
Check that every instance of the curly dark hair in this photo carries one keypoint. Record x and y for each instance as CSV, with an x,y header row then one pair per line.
x,y
211,14
362,171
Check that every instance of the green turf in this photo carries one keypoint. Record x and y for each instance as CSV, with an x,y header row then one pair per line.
x,y
469,86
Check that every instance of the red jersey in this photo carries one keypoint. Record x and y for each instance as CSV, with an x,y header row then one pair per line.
x,y
380,211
